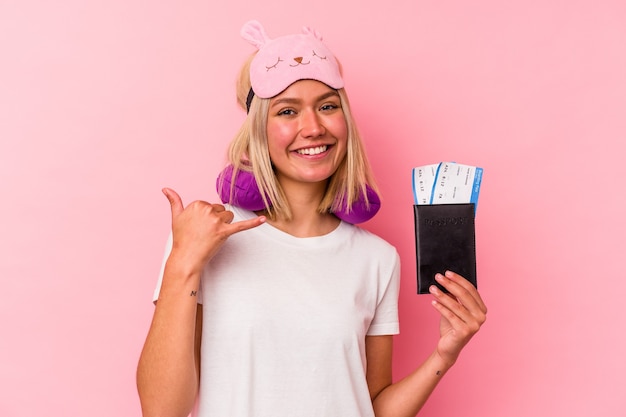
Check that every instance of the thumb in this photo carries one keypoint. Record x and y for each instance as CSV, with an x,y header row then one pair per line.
x,y
175,201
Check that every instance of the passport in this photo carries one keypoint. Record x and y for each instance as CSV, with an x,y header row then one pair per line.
x,y
445,239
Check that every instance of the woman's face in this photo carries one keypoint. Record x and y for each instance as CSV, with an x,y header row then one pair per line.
x,y
307,133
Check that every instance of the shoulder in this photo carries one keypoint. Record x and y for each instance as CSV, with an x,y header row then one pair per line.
x,y
370,241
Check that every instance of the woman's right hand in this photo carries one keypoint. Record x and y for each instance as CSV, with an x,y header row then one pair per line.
x,y
200,229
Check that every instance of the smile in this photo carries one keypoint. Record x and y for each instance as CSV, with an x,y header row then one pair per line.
x,y
313,151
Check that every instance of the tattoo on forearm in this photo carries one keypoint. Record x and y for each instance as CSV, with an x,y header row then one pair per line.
x,y
438,373
193,293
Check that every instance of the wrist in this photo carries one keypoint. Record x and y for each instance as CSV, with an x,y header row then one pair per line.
x,y
183,266
180,276
440,364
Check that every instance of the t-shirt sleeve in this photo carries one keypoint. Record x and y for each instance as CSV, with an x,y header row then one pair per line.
x,y
157,290
385,321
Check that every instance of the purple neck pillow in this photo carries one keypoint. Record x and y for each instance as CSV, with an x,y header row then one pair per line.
x,y
247,196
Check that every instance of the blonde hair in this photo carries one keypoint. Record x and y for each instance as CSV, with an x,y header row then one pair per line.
x,y
248,151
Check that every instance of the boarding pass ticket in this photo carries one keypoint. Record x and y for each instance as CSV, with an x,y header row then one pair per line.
x,y
446,183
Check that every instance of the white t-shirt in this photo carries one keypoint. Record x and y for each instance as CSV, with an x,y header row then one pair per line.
x,y
285,320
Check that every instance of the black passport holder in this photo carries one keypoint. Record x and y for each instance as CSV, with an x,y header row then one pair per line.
x,y
445,239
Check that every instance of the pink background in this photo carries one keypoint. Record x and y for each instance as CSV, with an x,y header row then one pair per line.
x,y
102,103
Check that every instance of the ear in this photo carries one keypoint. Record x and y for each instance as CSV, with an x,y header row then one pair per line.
x,y
254,33
312,32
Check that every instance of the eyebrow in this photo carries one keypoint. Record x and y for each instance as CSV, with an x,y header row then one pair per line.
x,y
289,100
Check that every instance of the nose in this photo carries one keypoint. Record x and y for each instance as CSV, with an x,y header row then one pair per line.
x,y
312,125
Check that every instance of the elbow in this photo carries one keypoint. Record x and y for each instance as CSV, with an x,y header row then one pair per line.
x,y
157,403
162,410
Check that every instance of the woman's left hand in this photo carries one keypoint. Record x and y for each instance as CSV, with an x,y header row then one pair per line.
x,y
462,311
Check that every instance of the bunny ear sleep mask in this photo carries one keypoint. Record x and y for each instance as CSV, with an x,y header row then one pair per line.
x,y
284,60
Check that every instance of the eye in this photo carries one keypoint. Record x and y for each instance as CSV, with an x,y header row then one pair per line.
x,y
286,112
275,65
319,56
329,107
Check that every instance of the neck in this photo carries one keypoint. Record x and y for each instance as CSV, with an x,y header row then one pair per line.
x,y
305,220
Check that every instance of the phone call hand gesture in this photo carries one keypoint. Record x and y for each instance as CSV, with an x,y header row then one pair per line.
x,y
200,229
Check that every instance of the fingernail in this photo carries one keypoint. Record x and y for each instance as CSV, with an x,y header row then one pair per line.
x,y
449,274
439,277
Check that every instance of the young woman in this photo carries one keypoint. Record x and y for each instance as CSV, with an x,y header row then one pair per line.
x,y
289,310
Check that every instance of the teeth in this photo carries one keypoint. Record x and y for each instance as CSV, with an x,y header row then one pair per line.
x,y
312,151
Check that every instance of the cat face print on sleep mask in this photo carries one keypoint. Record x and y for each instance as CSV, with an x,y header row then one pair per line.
x,y
284,60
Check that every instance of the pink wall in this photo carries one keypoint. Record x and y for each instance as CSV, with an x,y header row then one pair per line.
x,y
102,103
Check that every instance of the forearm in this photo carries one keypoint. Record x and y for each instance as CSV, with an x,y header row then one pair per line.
x,y
406,397
168,370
